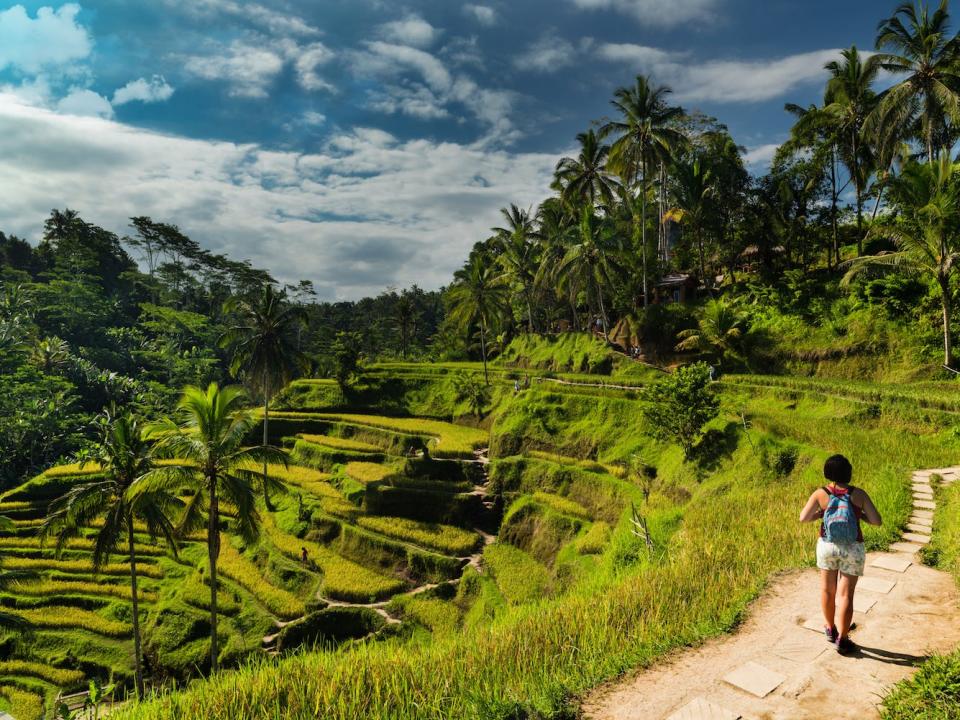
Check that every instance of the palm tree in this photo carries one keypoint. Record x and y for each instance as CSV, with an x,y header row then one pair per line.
x,y
209,443
584,179
593,261
405,316
646,136
125,457
518,253
718,334
849,100
554,224
926,230
265,347
479,295
917,43
692,189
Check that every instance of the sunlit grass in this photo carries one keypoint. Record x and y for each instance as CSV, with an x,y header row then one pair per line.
x,y
442,538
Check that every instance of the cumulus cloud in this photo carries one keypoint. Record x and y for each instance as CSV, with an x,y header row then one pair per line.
x,y
758,158
249,69
365,211
81,101
483,14
662,13
548,54
412,30
52,38
307,61
722,81
156,89
262,18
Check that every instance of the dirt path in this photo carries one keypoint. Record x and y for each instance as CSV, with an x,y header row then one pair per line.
x,y
782,651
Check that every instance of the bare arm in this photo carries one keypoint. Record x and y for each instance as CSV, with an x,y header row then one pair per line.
x,y
813,510
870,513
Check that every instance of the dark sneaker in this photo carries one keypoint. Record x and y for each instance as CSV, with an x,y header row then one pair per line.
x,y
845,646
831,633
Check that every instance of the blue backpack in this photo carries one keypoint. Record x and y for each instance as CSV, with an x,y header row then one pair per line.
x,y
840,524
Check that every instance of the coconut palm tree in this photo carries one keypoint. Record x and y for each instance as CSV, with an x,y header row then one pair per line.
x,y
593,260
926,230
265,347
584,179
479,295
916,43
692,189
518,254
646,136
405,316
125,457
208,440
850,99
718,334
554,225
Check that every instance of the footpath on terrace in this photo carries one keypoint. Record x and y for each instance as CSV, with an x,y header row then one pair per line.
x,y
779,664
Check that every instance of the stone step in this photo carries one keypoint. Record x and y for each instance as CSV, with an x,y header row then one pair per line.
x,y
916,538
875,584
925,522
918,528
701,709
864,602
926,514
925,504
755,679
923,496
895,563
905,547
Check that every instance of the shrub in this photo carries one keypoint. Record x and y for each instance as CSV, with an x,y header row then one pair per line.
x,y
678,407
442,538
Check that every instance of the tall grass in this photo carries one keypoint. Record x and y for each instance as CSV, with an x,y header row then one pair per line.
x,y
81,566
47,588
64,616
434,536
24,705
54,675
278,601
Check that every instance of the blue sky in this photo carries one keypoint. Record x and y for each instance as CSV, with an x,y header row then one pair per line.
x,y
364,143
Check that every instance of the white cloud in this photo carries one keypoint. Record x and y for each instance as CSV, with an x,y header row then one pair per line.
x,y
722,81
81,101
386,59
548,54
657,13
483,14
263,18
412,30
307,61
760,157
156,89
312,117
52,38
364,212
247,68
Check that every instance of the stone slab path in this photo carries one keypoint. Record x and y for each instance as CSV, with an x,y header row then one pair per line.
x,y
779,664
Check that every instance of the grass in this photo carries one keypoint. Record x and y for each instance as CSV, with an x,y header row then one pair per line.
x,y
46,588
434,536
36,543
342,578
367,472
278,601
53,675
25,705
933,693
55,616
339,443
81,566
519,577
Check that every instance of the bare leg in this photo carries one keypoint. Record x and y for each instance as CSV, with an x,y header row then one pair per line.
x,y
846,587
828,596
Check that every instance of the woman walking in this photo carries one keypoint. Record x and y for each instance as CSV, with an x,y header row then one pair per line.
x,y
840,550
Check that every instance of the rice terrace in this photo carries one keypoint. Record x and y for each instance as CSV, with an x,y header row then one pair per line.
x,y
495,361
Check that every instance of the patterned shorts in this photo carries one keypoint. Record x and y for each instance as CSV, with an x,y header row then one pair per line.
x,y
848,558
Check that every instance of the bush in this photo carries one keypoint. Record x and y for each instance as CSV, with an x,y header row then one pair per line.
x,y
330,626
678,407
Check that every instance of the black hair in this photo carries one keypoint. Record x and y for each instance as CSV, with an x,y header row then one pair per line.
x,y
838,469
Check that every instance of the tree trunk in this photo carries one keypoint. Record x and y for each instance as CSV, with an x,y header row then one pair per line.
x,y
858,188
643,232
947,312
833,209
603,313
703,260
526,294
266,440
213,552
483,352
137,650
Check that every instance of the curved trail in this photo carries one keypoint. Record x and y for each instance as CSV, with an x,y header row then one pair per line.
x,y
904,611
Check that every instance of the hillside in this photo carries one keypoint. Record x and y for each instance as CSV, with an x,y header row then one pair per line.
x,y
522,618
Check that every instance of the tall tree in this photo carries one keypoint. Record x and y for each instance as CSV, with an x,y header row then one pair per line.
x,y
124,457
584,179
646,136
849,100
517,254
916,43
208,439
926,230
692,189
479,296
265,347
405,317
594,260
